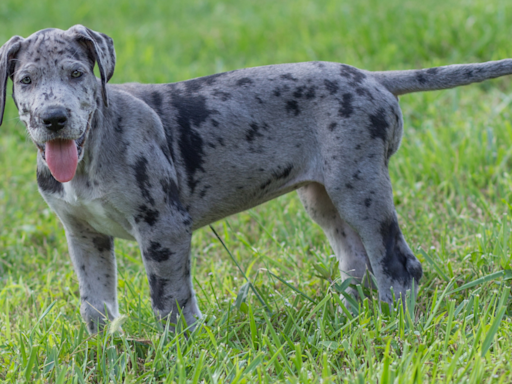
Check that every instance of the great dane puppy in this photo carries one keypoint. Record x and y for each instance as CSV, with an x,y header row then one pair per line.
x,y
152,163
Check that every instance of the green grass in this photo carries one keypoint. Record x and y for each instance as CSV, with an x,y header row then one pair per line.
x,y
452,181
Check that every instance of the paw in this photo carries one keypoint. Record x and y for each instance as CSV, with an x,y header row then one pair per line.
x,y
190,313
95,316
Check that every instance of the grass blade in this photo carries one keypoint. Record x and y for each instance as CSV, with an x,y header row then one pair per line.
x,y
292,287
492,332
31,362
497,321
479,281
435,265
254,289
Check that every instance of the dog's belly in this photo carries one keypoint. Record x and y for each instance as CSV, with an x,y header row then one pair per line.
x,y
222,202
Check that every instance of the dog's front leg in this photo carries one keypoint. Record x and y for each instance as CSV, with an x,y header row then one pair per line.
x,y
94,261
166,255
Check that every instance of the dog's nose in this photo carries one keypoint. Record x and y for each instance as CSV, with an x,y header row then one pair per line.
x,y
55,119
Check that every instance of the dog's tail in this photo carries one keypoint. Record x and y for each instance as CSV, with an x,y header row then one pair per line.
x,y
450,76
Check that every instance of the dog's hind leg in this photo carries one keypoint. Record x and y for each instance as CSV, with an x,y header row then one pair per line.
x,y
364,199
345,242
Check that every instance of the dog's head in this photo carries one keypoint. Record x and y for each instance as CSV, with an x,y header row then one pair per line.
x,y
56,91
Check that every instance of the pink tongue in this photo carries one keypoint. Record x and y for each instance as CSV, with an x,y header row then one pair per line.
x,y
62,159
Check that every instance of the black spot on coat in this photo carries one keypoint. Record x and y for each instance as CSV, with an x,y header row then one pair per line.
x,y
157,290
146,214
292,107
288,76
191,112
282,173
298,92
47,183
278,174
420,77
355,75
378,125
224,96
253,132
310,94
266,184
245,81
103,243
142,179
346,107
331,86
183,302
468,73
156,98
157,253
171,192
204,191
394,262
362,91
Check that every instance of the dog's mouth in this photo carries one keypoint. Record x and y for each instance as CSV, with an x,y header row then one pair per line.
x,y
62,155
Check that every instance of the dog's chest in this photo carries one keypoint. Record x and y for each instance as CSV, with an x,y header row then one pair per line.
x,y
95,209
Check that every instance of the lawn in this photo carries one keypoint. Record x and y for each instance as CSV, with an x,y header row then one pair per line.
x,y
452,180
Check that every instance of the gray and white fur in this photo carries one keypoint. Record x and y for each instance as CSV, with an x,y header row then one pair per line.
x,y
156,162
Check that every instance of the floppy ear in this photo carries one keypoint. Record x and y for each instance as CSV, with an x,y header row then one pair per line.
x,y
7,52
101,47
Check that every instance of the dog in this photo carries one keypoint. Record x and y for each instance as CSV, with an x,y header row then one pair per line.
x,y
152,163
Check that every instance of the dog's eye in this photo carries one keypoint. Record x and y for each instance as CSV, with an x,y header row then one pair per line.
x,y
75,74
26,80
